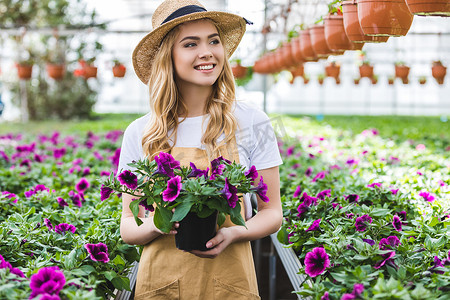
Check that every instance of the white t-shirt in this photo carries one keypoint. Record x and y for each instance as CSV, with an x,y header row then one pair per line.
x,y
255,138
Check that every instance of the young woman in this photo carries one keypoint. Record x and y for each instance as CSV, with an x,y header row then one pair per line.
x,y
194,116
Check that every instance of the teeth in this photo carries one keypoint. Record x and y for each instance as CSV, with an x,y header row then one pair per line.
x,y
208,67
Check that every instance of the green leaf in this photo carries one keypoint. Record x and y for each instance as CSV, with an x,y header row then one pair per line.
x,y
162,219
283,236
110,275
118,260
121,283
70,259
134,207
181,211
221,219
238,220
433,222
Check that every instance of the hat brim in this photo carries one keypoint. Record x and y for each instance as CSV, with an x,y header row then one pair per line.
x,y
231,26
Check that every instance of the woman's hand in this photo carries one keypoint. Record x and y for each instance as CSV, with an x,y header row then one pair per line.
x,y
217,244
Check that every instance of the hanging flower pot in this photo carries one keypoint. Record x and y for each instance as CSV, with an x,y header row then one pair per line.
x,y
366,70
374,79
429,7
24,71
353,28
55,71
318,42
384,17
333,70
335,35
194,232
422,80
90,71
238,70
356,80
320,79
297,50
391,80
305,79
401,71
297,71
306,46
119,69
438,71
286,53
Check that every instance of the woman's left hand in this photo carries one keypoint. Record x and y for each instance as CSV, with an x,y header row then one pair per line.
x,y
217,244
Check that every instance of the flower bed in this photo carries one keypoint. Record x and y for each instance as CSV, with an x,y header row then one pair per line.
x,y
57,238
366,215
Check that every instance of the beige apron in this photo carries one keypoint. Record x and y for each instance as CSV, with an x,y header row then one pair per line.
x,y
167,273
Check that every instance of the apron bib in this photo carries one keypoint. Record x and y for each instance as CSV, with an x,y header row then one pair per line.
x,y
167,273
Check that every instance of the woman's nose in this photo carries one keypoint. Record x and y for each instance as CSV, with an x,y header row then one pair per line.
x,y
205,52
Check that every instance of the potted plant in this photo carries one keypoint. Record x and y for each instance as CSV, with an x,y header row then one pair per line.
x,y
374,79
335,34
305,79
356,80
385,18
333,69
118,69
25,68
429,7
366,69
422,79
187,195
297,71
391,80
238,70
55,62
89,70
306,46
401,71
438,71
318,41
320,78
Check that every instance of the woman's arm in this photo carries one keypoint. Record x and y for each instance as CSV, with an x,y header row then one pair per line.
x,y
267,221
132,233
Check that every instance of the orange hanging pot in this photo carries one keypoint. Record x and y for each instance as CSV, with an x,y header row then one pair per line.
x,y
318,42
335,35
24,71
89,71
296,50
306,46
384,17
239,71
402,71
366,70
429,7
438,71
332,70
286,53
119,70
352,26
55,71
297,71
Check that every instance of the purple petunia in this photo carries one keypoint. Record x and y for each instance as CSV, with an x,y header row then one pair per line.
x,y
6,265
316,261
215,171
369,241
129,179
252,173
394,191
105,192
49,297
362,222
82,185
387,258
48,223
197,172
298,191
437,263
314,226
98,252
427,196
62,202
166,164
352,198
325,296
218,161
261,190
358,289
375,184
320,175
144,204
397,223
173,189
308,171
48,280
230,193
389,243
325,193
64,227
58,153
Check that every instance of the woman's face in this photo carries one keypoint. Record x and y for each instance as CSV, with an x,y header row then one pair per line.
x,y
198,54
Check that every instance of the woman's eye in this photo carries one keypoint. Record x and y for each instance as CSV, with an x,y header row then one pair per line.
x,y
215,42
189,45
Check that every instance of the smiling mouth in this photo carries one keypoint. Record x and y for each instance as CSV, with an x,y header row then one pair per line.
x,y
205,67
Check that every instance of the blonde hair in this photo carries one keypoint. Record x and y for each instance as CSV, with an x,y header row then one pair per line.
x,y
165,105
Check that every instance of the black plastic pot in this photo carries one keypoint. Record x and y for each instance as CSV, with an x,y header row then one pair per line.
x,y
194,232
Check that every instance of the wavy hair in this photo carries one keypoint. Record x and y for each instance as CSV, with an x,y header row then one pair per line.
x,y
166,103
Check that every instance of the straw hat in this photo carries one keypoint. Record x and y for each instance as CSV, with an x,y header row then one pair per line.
x,y
174,12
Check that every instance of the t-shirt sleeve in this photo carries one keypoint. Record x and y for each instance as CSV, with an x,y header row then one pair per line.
x,y
131,149
264,152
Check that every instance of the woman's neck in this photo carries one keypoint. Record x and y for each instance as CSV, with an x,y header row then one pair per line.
x,y
195,99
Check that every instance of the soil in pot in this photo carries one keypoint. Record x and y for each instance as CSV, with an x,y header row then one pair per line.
x,y
194,232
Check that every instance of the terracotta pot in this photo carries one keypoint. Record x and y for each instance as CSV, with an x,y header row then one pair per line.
x,y
56,71
374,80
429,7
439,72
384,17
273,64
297,50
24,71
305,80
422,81
239,71
353,28
318,42
89,71
297,71
357,46
391,81
366,71
119,70
288,58
320,80
356,80
306,46
335,35
332,70
401,71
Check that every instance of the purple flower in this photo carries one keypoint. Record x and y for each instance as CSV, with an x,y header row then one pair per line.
x,y
362,222
352,198
197,172
394,191
308,200
29,193
6,265
218,161
115,158
402,215
314,226
290,150
10,196
308,171
375,184
49,297
58,153
347,296
105,192
144,204
350,215
129,179
442,183
82,185
298,191
4,156
173,189
389,243
387,257
252,173
325,193
336,205
397,223
98,252
48,280
105,173
217,170
325,296
62,202
76,198
316,262
437,263
48,224
166,164
64,227
427,196
229,192
369,241
320,175
261,190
